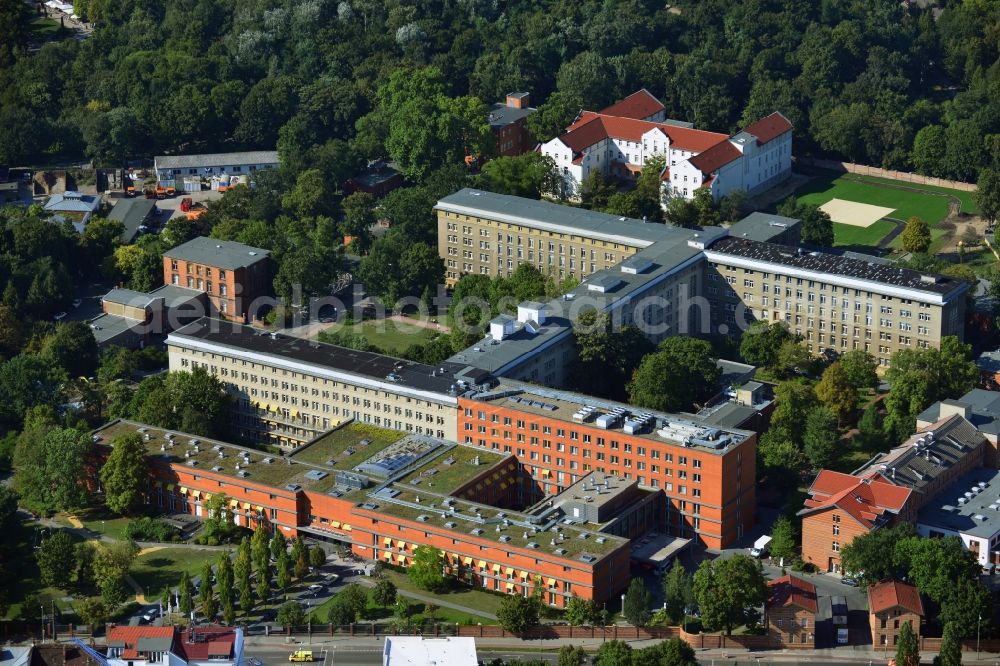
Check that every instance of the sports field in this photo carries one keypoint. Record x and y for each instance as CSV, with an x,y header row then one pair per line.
x,y
905,200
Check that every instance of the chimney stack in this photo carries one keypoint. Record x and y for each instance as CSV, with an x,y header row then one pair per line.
x,y
518,100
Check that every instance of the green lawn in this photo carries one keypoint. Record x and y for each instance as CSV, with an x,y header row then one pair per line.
x,y
390,336
156,570
375,613
846,234
42,28
24,570
462,595
100,521
905,202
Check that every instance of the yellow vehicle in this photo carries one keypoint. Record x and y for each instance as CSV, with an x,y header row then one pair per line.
x,y
301,655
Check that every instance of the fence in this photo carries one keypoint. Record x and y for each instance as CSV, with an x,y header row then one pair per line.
x,y
903,176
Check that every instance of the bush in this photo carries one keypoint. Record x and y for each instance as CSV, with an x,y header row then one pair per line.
x,y
211,541
150,529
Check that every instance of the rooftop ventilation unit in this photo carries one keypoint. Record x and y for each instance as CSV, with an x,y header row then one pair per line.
x,y
267,461
504,539
192,462
477,532
243,474
560,551
532,545
216,469
600,539
451,524
423,518
294,487
589,559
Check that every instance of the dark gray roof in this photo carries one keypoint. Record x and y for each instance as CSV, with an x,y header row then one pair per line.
x,y
734,372
762,226
553,217
132,213
153,644
502,115
107,327
984,410
229,255
129,297
919,460
283,348
989,361
834,265
978,512
216,159
174,296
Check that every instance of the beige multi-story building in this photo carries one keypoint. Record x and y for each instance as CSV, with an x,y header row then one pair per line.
x,y
836,303
491,234
287,391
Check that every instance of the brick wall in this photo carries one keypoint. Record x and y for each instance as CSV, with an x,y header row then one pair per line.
x,y
818,537
792,625
892,619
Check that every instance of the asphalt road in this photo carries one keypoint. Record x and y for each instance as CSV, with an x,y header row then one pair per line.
x,y
372,654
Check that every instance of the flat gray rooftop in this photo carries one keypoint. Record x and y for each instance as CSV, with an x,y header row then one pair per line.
x,y
554,217
762,226
971,505
984,410
216,159
665,257
229,255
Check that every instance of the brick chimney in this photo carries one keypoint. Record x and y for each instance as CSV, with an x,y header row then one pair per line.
x,y
518,100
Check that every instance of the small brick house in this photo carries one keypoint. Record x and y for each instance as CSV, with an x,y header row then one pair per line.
x,y
233,275
790,611
891,604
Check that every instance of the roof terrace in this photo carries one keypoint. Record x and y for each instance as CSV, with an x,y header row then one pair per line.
x,y
209,455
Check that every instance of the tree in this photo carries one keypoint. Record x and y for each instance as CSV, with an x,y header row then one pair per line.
x,y
916,236
73,348
317,557
936,566
836,391
92,611
821,437
728,589
795,399
606,358
760,343
206,591
225,576
907,651
194,402
85,552
263,584
185,592
340,613
355,598
677,591
614,653
50,468
290,614
816,226
27,380
56,558
860,367
582,611
968,607
284,569
988,194
301,566
384,593
124,474
278,545
553,116
950,652
359,218
637,608
111,564
682,371
259,550
869,557
528,175
571,655
783,545
396,267
517,614
929,147
426,570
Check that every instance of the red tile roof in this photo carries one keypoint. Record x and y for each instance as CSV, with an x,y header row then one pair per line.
x,y
894,593
130,637
792,591
769,127
640,104
865,499
207,641
591,128
715,157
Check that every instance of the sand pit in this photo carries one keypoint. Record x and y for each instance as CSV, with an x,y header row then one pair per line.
x,y
854,213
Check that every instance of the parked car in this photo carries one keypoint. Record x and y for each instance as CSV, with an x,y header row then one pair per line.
x,y
77,302
301,655
850,582
315,588
59,316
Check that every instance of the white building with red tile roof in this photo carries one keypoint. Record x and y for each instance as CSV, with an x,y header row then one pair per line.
x,y
174,646
619,140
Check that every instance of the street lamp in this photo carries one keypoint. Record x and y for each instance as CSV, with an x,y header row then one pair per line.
x,y
979,622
